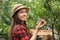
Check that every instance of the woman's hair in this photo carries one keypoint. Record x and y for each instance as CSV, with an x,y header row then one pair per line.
x,y
15,21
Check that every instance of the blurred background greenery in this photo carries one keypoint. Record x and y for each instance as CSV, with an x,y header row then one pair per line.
x,y
39,9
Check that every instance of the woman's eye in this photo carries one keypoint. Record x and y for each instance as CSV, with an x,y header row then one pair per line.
x,y
26,11
23,12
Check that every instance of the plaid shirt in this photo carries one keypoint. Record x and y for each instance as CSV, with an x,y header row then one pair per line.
x,y
20,32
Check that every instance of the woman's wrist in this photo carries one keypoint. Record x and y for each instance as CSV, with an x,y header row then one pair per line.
x,y
37,29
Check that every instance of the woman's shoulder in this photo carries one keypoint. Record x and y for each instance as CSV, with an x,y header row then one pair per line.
x,y
16,27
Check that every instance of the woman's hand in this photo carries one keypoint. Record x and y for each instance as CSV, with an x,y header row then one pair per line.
x,y
41,24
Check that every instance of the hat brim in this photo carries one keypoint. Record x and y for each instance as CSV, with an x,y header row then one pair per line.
x,y
22,7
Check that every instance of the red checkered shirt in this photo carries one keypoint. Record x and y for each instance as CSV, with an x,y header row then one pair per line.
x,y
20,32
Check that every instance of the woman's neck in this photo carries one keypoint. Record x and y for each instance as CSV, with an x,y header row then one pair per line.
x,y
22,22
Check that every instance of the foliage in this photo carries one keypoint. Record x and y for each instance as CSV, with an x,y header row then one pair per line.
x,y
39,9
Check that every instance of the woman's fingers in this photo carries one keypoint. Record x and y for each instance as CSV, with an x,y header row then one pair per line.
x,y
41,24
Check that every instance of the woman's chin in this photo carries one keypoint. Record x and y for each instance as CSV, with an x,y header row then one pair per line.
x,y
24,20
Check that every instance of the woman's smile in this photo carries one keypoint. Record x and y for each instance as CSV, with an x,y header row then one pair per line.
x,y
24,17
22,14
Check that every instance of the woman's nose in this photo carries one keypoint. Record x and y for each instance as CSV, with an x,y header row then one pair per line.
x,y
25,14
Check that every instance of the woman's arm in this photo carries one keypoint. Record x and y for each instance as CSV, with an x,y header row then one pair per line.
x,y
41,24
34,35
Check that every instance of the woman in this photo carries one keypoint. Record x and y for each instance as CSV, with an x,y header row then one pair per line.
x,y
19,30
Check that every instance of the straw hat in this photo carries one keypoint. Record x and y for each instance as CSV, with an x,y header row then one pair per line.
x,y
18,7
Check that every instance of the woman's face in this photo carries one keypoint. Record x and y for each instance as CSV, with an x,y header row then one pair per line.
x,y
22,14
